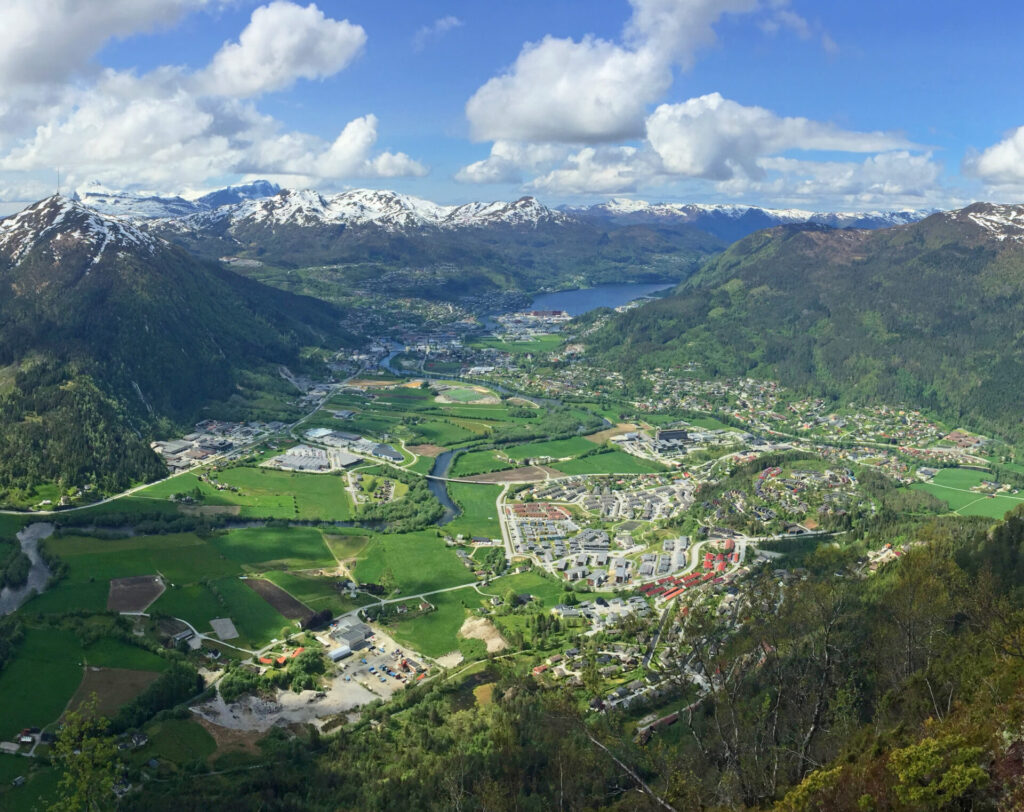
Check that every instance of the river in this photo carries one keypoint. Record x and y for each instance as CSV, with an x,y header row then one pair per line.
x,y
38,575
440,488
578,302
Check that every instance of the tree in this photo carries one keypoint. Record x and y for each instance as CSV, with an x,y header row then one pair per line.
x,y
89,760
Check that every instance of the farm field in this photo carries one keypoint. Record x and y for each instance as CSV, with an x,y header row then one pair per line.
x,y
609,462
552,448
287,495
546,589
479,512
179,741
419,562
436,633
112,687
261,548
316,591
37,684
110,653
254,618
39,791
952,486
477,462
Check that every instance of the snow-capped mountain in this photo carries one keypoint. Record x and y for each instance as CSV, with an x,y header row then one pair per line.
x,y
236,194
389,211
1000,221
137,206
731,221
66,227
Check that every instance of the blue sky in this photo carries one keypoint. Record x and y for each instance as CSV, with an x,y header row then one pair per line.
x,y
841,105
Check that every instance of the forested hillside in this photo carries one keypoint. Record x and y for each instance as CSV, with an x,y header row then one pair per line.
x,y
106,332
926,314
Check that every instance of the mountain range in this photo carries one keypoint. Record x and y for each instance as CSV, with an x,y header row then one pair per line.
x,y
926,314
469,249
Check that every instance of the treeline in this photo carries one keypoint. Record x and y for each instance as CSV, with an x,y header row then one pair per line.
x,y
14,565
177,684
414,511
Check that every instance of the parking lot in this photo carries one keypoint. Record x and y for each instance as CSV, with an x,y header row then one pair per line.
x,y
377,670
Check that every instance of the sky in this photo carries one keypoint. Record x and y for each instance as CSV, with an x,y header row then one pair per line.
x,y
847,104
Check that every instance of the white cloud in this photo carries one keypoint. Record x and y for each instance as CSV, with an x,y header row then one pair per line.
x,y
282,42
600,170
594,90
1000,165
172,129
434,31
888,178
509,159
47,41
716,138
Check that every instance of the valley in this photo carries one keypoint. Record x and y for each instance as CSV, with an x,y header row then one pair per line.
x,y
484,495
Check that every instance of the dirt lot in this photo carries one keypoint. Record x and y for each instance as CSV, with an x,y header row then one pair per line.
x,y
113,687
530,473
614,431
134,594
230,740
290,607
426,450
480,628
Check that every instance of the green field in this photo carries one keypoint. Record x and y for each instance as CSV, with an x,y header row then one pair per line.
x,y
37,684
180,741
545,588
436,633
545,343
479,511
441,433
286,495
466,395
38,793
952,486
110,653
478,462
275,547
572,447
316,591
254,618
610,462
419,562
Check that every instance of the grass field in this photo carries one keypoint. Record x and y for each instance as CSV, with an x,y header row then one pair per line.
x,y
436,633
39,791
110,653
264,492
420,562
544,588
317,592
466,395
346,545
274,547
39,681
182,558
437,432
180,741
479,512
478,462
256,621
552,448
610,462
952,485
422,465
545,343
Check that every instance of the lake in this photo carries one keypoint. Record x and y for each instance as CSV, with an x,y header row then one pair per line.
x,y
578,302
